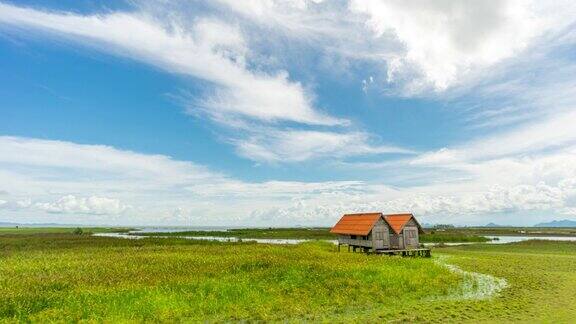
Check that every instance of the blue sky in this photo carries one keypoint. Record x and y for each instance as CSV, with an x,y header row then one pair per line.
x,y
286,112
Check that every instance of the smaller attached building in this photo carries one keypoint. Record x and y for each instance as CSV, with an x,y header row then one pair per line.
x,y
378,232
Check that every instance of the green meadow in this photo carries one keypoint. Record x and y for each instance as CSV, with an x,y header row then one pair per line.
x,y
60,230
68,277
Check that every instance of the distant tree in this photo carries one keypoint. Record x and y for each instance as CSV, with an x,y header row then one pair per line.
x,y
443,226
78,231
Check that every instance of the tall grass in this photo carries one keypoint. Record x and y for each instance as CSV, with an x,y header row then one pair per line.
x,y
70,277
66,277
60,230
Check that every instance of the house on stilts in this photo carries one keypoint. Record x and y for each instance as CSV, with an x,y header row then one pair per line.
x,y
376,232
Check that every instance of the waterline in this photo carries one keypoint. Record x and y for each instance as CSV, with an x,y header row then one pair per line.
x,y
476,286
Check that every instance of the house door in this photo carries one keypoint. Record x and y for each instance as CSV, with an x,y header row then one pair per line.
x,y
394,242
411,237
378,239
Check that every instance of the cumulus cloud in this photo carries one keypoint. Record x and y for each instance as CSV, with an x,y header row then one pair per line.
x,y
446,38
452,207
153,189
67,178
84,205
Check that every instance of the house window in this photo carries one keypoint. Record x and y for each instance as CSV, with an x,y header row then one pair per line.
x,y
353,237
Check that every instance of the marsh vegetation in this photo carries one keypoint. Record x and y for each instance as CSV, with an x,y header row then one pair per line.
x,y
67,277
319,233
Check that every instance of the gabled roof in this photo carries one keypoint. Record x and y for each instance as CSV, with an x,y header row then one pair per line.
x,y
398,221
356,224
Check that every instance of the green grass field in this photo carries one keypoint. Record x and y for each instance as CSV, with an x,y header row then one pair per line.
x,y
60,230
69,277
66,277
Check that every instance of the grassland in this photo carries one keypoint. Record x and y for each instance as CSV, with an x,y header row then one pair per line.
x,y
66,277
310,234
541,279
54,277
60,230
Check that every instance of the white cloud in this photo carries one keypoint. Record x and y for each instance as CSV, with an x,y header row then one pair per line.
x,y
295,18
71,204
210,50
443,44
244,97
554,132
96,161
276,189
133,188
294,146
417,46
478,207
447,38
67,178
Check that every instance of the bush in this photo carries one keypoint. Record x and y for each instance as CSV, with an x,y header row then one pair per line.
x,y
78,231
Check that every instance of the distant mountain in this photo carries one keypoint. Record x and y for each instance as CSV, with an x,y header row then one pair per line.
x,y
8,224
558,223
493,225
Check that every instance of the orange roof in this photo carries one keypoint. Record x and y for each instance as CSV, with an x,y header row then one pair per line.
x,y
397,221
356,224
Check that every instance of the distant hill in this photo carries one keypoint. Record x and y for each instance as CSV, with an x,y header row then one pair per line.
x,y
10,224
7,224
493,225
558,223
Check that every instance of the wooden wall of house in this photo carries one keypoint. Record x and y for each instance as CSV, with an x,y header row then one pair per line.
x,y
396,241
380,235
410,235
357,241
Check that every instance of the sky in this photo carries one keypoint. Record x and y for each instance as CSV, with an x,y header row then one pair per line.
x,y
286,112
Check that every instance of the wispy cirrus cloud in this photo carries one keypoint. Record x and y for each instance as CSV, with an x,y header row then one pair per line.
x,y
420,46
210,50
302,145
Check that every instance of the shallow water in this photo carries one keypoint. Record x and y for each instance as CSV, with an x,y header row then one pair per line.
x,y
209,238
475,285
496,239
503,239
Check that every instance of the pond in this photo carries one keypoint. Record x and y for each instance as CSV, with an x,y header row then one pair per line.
x,y
503,239
495,239
207,238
